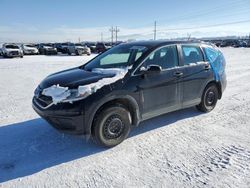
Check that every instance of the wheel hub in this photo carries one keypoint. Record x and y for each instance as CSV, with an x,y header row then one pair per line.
x,y
113,127
210,97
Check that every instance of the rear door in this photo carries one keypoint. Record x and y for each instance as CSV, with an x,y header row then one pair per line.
x,y
160,91
196,73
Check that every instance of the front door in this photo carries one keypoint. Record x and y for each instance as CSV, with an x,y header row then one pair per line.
x,y
159,91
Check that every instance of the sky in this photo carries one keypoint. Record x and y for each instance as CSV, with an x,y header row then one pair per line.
x,y
87,20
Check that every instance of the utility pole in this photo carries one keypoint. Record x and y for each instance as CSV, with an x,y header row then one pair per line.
x,y
116,31
79,39
101,37
155,30
112,34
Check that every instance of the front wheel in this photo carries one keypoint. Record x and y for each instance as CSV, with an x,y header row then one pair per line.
x,y
209,98
111,126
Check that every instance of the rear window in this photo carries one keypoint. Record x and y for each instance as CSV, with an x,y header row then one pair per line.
x,y
12,47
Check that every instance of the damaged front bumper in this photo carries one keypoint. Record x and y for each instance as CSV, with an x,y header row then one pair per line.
x,y
65,117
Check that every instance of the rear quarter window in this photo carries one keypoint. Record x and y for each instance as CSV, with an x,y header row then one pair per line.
x,y
216,59
211,54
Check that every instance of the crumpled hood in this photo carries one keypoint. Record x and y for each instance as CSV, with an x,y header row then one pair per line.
x,y
72,78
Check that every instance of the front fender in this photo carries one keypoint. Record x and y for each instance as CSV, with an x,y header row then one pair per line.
x,y
96,105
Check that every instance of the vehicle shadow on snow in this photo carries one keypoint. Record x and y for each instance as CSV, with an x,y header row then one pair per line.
x,y
31,146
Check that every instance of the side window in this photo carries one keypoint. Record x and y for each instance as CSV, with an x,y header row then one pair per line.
x,y
191,54
166,57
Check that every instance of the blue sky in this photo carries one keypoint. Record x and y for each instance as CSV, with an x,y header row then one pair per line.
x,y
62,20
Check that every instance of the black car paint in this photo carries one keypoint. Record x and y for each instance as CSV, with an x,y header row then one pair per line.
x,y
146,95
72,78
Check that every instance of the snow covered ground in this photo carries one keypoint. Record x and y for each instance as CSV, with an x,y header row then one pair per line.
x,y
181,149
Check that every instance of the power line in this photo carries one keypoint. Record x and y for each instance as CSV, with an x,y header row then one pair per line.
x,y
200,13
206,26
195,27
231,5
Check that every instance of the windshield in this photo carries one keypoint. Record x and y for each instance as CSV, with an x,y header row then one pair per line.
x,y
12,46
90,44
49,45
78,44
29,45
118,57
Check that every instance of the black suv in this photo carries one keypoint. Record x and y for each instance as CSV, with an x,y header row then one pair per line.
x,y
130,83
47,49
102,47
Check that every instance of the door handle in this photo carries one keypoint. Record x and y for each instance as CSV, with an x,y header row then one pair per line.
x,y
207,67
178,74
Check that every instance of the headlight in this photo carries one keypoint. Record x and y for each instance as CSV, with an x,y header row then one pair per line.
x,y
63,94
78,94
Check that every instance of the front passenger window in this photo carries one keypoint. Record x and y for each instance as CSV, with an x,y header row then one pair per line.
x,y
166,57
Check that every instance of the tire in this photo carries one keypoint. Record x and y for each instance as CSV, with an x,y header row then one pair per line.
x,y
111,126
77,53
209,98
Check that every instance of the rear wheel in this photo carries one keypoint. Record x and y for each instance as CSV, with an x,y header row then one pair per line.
x,y
111,126
209,98
68,51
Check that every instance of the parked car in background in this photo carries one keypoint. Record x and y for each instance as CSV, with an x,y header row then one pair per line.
x,y
240,44
102,47
92,46
78,49
248,43
47,49
62,47
1,52
29,49
228,43
12,50
131,83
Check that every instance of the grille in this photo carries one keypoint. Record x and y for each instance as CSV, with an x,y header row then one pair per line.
x,y
14,53
44,100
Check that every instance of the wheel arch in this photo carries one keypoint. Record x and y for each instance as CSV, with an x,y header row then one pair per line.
x,y
218,85
128,101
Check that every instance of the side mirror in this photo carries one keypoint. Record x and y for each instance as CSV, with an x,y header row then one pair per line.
x,y
151,69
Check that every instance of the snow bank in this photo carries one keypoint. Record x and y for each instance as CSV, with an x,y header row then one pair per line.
x,y
62,94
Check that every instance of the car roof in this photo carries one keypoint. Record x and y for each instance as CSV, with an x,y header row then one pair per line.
x,y
156,43
10,44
